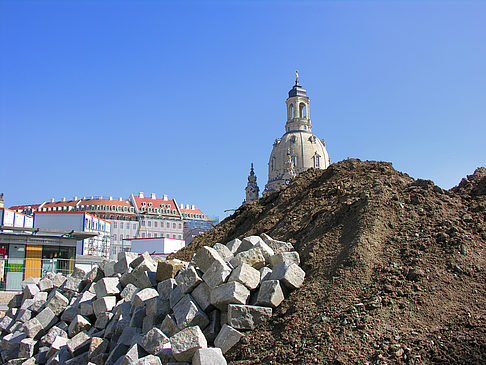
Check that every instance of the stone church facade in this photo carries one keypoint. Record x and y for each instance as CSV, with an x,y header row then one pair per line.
x,y
296,151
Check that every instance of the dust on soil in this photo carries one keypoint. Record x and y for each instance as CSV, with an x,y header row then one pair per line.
x,y
394,268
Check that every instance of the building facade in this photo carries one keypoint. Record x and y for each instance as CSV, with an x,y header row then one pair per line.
x,y
298,149
98,245
195,222
27,251
139,216
158,217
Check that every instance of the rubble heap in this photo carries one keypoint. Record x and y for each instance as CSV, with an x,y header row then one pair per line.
x,y
141,310
395,268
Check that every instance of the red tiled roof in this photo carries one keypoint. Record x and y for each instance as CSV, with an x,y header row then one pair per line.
x,y
156,203
21,207
123,203
67,203
193,211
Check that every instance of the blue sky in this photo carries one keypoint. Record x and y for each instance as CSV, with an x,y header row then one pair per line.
x,y
179,97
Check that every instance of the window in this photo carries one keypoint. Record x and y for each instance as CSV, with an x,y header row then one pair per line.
x,y
114,237
302,110
121,236
294,160
155,224
291,111
115,224
168,225
121,225
143,223
149,223
317,160
173,225
180,225
134,225
180,237
143,235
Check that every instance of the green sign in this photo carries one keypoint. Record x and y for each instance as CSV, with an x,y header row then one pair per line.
x,y
15,267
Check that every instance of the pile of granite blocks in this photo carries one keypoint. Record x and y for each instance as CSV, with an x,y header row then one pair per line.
x,y
148,310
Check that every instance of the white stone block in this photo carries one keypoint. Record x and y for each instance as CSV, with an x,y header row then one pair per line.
x,y
270,294
253,257
291,275
105,304
144,295
186,342
187,279
202,295
205,257
291,257
227,338
209,356
153,341
229,293
246,275
233,245
247,317
223,251
187,313
57,302
217,273
107,286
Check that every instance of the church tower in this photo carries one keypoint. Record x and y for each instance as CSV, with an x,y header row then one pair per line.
x,y
252,189
298,149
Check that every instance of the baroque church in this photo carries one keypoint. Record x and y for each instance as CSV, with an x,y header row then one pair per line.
x,y
296,151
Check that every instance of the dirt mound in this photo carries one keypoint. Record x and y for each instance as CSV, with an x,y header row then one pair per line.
x,y
395,268
474,184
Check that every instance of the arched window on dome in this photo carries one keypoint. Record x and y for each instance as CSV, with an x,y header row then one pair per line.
x,y
294,161
317,160
272,164
302,110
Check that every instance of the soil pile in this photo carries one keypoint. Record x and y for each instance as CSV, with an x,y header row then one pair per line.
x,y
395,268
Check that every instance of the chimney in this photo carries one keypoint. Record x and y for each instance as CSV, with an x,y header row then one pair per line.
x,y
165,197
182,206
193,207
152,195
63,199
75,197
140,195
52,200
187,206
121,199
111,198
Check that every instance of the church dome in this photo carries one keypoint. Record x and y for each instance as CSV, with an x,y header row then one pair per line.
x,y
298,149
